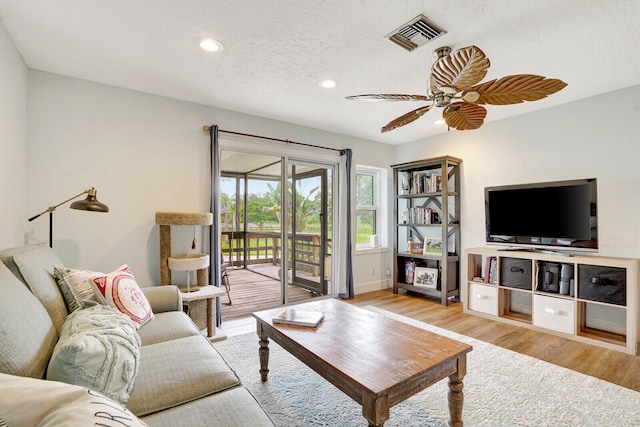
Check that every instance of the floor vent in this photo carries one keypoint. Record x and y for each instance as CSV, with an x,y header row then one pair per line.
x,y
415,33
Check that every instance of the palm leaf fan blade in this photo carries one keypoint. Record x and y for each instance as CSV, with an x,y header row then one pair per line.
x,y
464,116
461,69
516,89
387,97
405,119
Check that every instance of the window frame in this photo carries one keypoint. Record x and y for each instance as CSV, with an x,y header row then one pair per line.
x,y
378,208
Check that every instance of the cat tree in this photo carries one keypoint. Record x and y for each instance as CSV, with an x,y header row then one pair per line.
x,y
201,294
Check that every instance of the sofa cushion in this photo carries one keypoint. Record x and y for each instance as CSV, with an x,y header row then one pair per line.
x,y
99,349
175,372
27,334
120,290
33,264
233,408
167,326
75,286
33,402
163,298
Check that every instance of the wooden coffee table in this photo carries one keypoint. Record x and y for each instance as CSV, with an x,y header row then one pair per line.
x,y
375,360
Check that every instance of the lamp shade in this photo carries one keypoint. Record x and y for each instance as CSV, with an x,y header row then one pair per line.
x,y
90,203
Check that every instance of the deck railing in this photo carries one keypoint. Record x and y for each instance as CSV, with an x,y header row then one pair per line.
x,y
265,248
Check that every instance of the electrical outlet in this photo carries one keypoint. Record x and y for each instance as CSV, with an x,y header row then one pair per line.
x,y
373,271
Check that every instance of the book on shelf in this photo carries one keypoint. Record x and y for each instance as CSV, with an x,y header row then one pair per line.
x,y
420,181
435,183
494,270
490,271
292,316
422,216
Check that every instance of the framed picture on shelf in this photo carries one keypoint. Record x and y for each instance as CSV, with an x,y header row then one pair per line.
x,y
432,245
416,247
426,277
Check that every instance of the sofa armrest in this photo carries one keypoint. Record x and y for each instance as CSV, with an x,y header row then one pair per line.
x,y
163,298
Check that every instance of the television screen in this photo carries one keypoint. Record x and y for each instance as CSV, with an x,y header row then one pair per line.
x,y
550,214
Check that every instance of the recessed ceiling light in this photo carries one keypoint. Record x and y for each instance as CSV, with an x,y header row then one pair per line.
x,y
327,83
210,44
439,122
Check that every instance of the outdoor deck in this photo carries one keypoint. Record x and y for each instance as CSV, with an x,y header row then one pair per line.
x,y
251,292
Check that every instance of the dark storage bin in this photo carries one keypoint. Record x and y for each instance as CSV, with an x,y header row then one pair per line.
x,y
515,273
604,284
548,277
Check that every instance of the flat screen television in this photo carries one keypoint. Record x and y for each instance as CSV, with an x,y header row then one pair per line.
x,y
558,215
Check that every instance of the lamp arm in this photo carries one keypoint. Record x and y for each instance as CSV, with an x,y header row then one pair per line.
x,y
53,208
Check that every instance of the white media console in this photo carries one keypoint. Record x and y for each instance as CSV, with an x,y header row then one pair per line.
x,y
595,301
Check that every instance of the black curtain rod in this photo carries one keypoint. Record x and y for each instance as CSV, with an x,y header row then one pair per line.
x,y
208,129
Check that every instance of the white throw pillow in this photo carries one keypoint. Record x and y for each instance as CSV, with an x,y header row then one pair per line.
x,y
117,289
120,290
98,348
33,402
75,286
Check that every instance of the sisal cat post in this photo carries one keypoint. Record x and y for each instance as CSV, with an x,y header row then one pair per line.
x,y
197,309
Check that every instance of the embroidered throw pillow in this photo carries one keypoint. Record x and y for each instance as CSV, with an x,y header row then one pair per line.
x,y
28,402
120,290
98,348
75,286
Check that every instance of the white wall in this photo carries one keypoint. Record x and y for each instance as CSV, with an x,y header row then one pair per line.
x,y
595,137
143,154
13,125
146,153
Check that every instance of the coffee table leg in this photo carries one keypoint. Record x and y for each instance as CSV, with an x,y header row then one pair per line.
x,y
456,397
263,352
376,411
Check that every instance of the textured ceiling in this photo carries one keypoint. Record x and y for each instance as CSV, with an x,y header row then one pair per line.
x,y
276,52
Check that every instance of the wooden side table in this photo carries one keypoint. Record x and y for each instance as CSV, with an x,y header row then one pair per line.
x,y
207,293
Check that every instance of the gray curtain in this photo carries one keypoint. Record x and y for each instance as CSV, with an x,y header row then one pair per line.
x,y
214,241
346,190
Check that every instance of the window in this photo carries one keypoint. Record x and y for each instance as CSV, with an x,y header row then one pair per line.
x,y
369,215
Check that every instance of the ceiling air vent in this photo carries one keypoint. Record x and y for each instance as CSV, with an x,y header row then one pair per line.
x,y
415,33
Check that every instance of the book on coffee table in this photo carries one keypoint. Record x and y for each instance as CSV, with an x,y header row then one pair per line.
x,y
292,316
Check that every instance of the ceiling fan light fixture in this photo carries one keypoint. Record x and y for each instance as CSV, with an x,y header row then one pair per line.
x,y
439,122
327,83
210,44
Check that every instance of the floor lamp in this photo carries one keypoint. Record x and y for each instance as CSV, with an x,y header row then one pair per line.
x,y
91,203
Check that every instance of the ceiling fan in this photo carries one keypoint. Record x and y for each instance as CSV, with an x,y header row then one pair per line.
x,y
455,77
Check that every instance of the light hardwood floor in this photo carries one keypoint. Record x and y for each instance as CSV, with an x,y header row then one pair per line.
x,y
609,365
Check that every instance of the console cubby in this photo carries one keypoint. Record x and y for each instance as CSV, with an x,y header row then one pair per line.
x,y
587,298
515,305
602,322
555,278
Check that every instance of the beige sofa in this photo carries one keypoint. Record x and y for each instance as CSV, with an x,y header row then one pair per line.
x,y
181,380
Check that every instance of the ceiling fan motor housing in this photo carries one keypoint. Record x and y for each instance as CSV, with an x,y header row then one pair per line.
x,y
442,100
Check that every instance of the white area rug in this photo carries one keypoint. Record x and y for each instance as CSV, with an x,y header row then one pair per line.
x,y
501,388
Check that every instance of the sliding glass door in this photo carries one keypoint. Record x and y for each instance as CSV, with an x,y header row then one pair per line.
x,y
310,204
276,222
